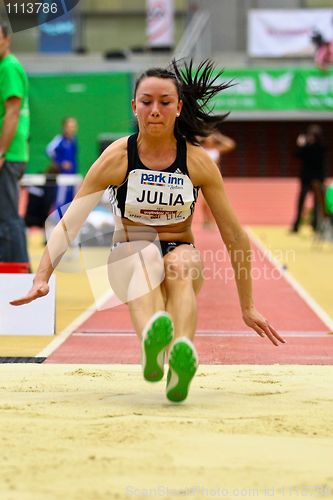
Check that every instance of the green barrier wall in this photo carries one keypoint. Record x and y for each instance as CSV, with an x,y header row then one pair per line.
x,y
286,89
101,102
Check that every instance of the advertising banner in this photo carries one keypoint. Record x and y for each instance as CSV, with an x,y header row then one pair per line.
x,y
160,23
287,89
57,35
282,33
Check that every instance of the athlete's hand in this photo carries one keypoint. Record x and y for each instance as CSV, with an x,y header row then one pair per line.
x,y
39,289
259,324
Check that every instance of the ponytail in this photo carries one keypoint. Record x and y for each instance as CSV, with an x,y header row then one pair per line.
x,y
197,89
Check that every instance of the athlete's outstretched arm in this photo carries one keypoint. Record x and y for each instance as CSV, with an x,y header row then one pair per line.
x,y
236,242
105,171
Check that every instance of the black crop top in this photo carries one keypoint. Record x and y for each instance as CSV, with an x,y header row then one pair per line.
x,y
154,197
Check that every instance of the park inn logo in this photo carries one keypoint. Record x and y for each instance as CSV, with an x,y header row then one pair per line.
x,y
161,179
276,85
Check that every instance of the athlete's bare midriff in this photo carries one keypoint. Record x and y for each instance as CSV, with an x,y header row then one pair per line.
x,y
126,230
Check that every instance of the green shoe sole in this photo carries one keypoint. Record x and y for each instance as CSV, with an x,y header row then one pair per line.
x,y
156,337
183,363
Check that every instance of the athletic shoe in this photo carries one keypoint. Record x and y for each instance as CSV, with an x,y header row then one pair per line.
x,y
156,336
183,363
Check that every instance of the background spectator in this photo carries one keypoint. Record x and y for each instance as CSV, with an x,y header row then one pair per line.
x,y
62,150
216,145
311,151
324,51
14,133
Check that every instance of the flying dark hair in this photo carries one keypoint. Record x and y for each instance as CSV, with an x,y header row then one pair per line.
x,y
195,88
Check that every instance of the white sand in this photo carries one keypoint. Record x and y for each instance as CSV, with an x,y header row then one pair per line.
x,y
100,432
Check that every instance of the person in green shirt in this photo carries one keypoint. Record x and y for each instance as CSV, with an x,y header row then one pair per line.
x,y
14,133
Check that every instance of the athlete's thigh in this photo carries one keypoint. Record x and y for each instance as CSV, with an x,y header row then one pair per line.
x,y
184,262
134,268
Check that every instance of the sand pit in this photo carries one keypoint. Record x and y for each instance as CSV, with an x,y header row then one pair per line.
x,y
101,432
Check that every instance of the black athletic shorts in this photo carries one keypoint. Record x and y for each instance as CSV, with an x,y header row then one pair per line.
x,y
164,246
168,246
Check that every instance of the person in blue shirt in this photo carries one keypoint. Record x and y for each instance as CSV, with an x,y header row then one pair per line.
x,y
62,150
